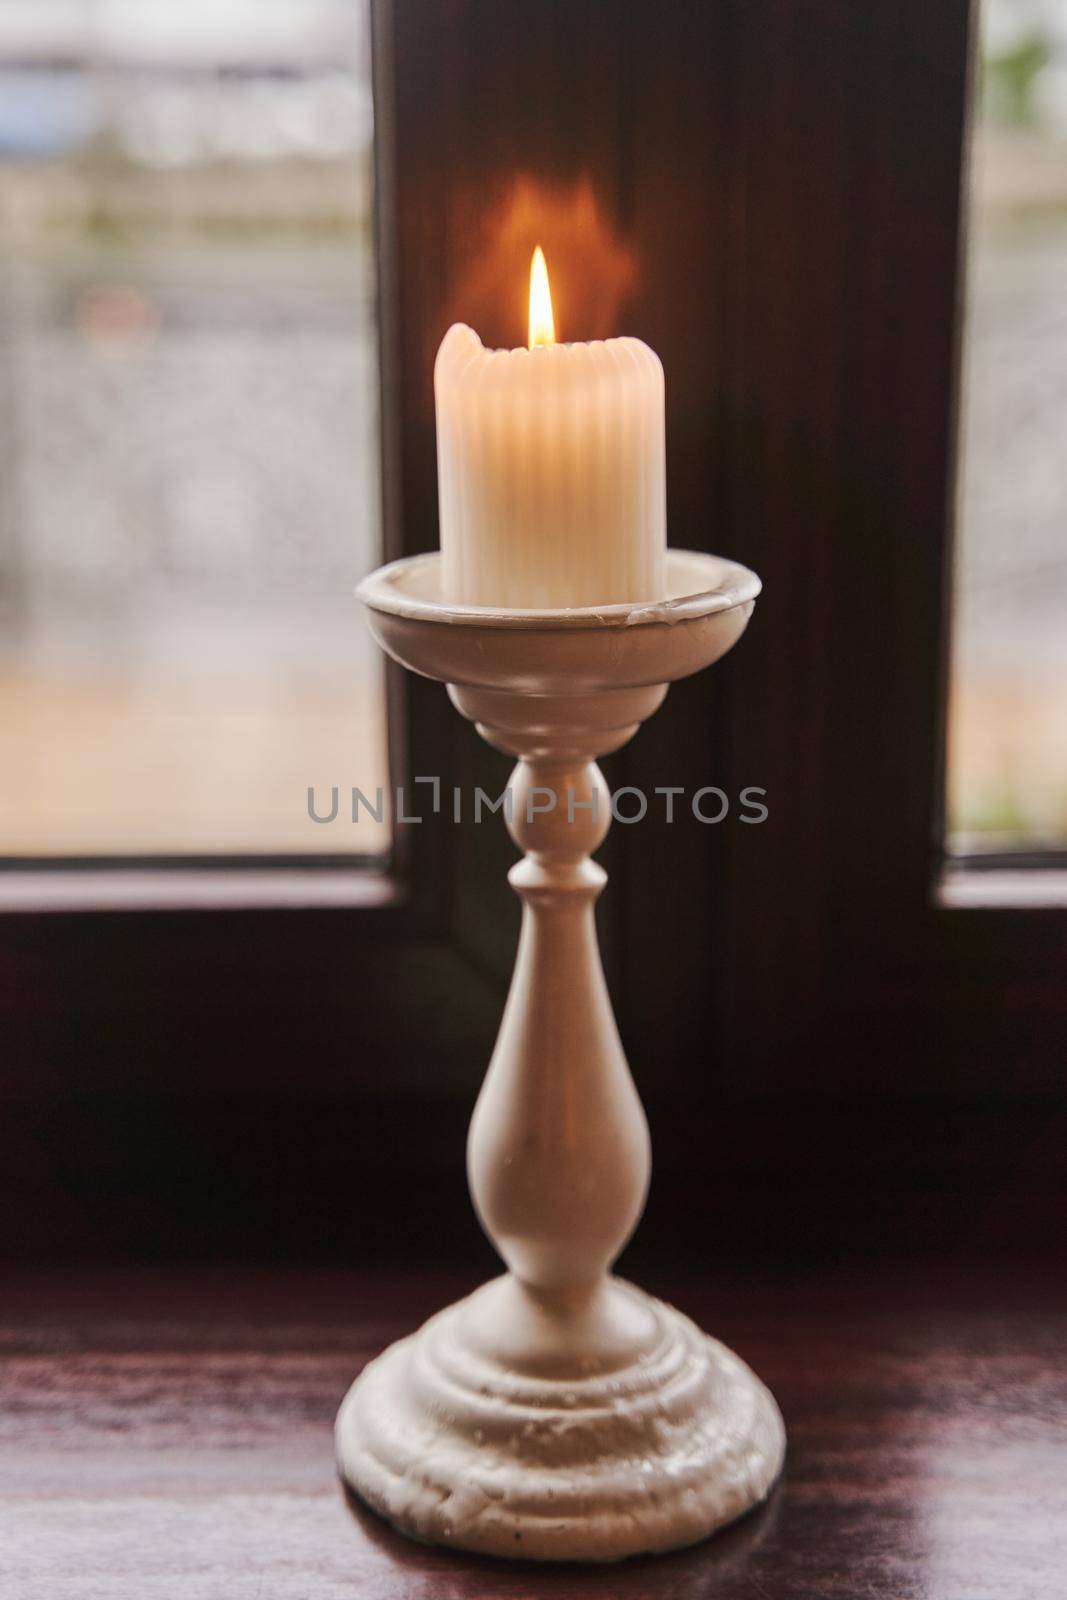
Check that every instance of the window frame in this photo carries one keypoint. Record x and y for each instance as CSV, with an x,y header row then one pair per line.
x,y
807,998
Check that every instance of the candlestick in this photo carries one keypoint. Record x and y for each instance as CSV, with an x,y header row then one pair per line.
x,y
559,1413
550,467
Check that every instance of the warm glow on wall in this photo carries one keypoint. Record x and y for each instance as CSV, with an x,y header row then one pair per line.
x,y
592,263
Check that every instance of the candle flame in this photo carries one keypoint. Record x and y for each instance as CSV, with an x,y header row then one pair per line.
x,y
542,325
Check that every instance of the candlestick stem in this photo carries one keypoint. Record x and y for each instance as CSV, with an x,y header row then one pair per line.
x,y
558,1155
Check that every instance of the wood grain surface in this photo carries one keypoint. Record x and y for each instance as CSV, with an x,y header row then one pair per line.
x,y
168,1437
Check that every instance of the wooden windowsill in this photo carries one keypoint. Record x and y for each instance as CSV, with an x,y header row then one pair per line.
x,y
166,1434
966,888
194,889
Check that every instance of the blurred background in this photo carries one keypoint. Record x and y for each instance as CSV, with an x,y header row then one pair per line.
x,y
1008,707
189,430
831,1055
189,480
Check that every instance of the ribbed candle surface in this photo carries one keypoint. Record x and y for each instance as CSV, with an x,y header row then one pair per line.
x,y
551,472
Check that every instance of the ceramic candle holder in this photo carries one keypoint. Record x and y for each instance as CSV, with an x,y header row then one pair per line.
x,y
559,1413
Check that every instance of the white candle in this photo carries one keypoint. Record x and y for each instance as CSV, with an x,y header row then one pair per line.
x,y
550,466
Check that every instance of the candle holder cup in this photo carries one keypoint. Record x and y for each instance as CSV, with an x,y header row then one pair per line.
x,y
559,1413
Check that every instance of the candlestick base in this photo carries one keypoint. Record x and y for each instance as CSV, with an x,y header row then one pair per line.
x,y
559,1413
506,1428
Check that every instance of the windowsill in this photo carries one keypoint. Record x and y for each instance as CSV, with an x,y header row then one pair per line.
x,y
240,1465
1002,888
195,889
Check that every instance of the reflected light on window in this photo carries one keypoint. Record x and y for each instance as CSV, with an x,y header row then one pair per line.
x,y
1007,775
190,456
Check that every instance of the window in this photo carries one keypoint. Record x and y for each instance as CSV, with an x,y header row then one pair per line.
x,y
1007,786
786,181
189,451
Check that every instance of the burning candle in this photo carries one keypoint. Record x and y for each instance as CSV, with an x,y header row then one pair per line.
x,y
550,465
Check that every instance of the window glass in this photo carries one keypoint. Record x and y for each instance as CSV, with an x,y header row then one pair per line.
x,y
189,435
1008,708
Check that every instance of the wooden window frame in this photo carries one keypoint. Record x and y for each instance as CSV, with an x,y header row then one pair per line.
x,y
788,180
